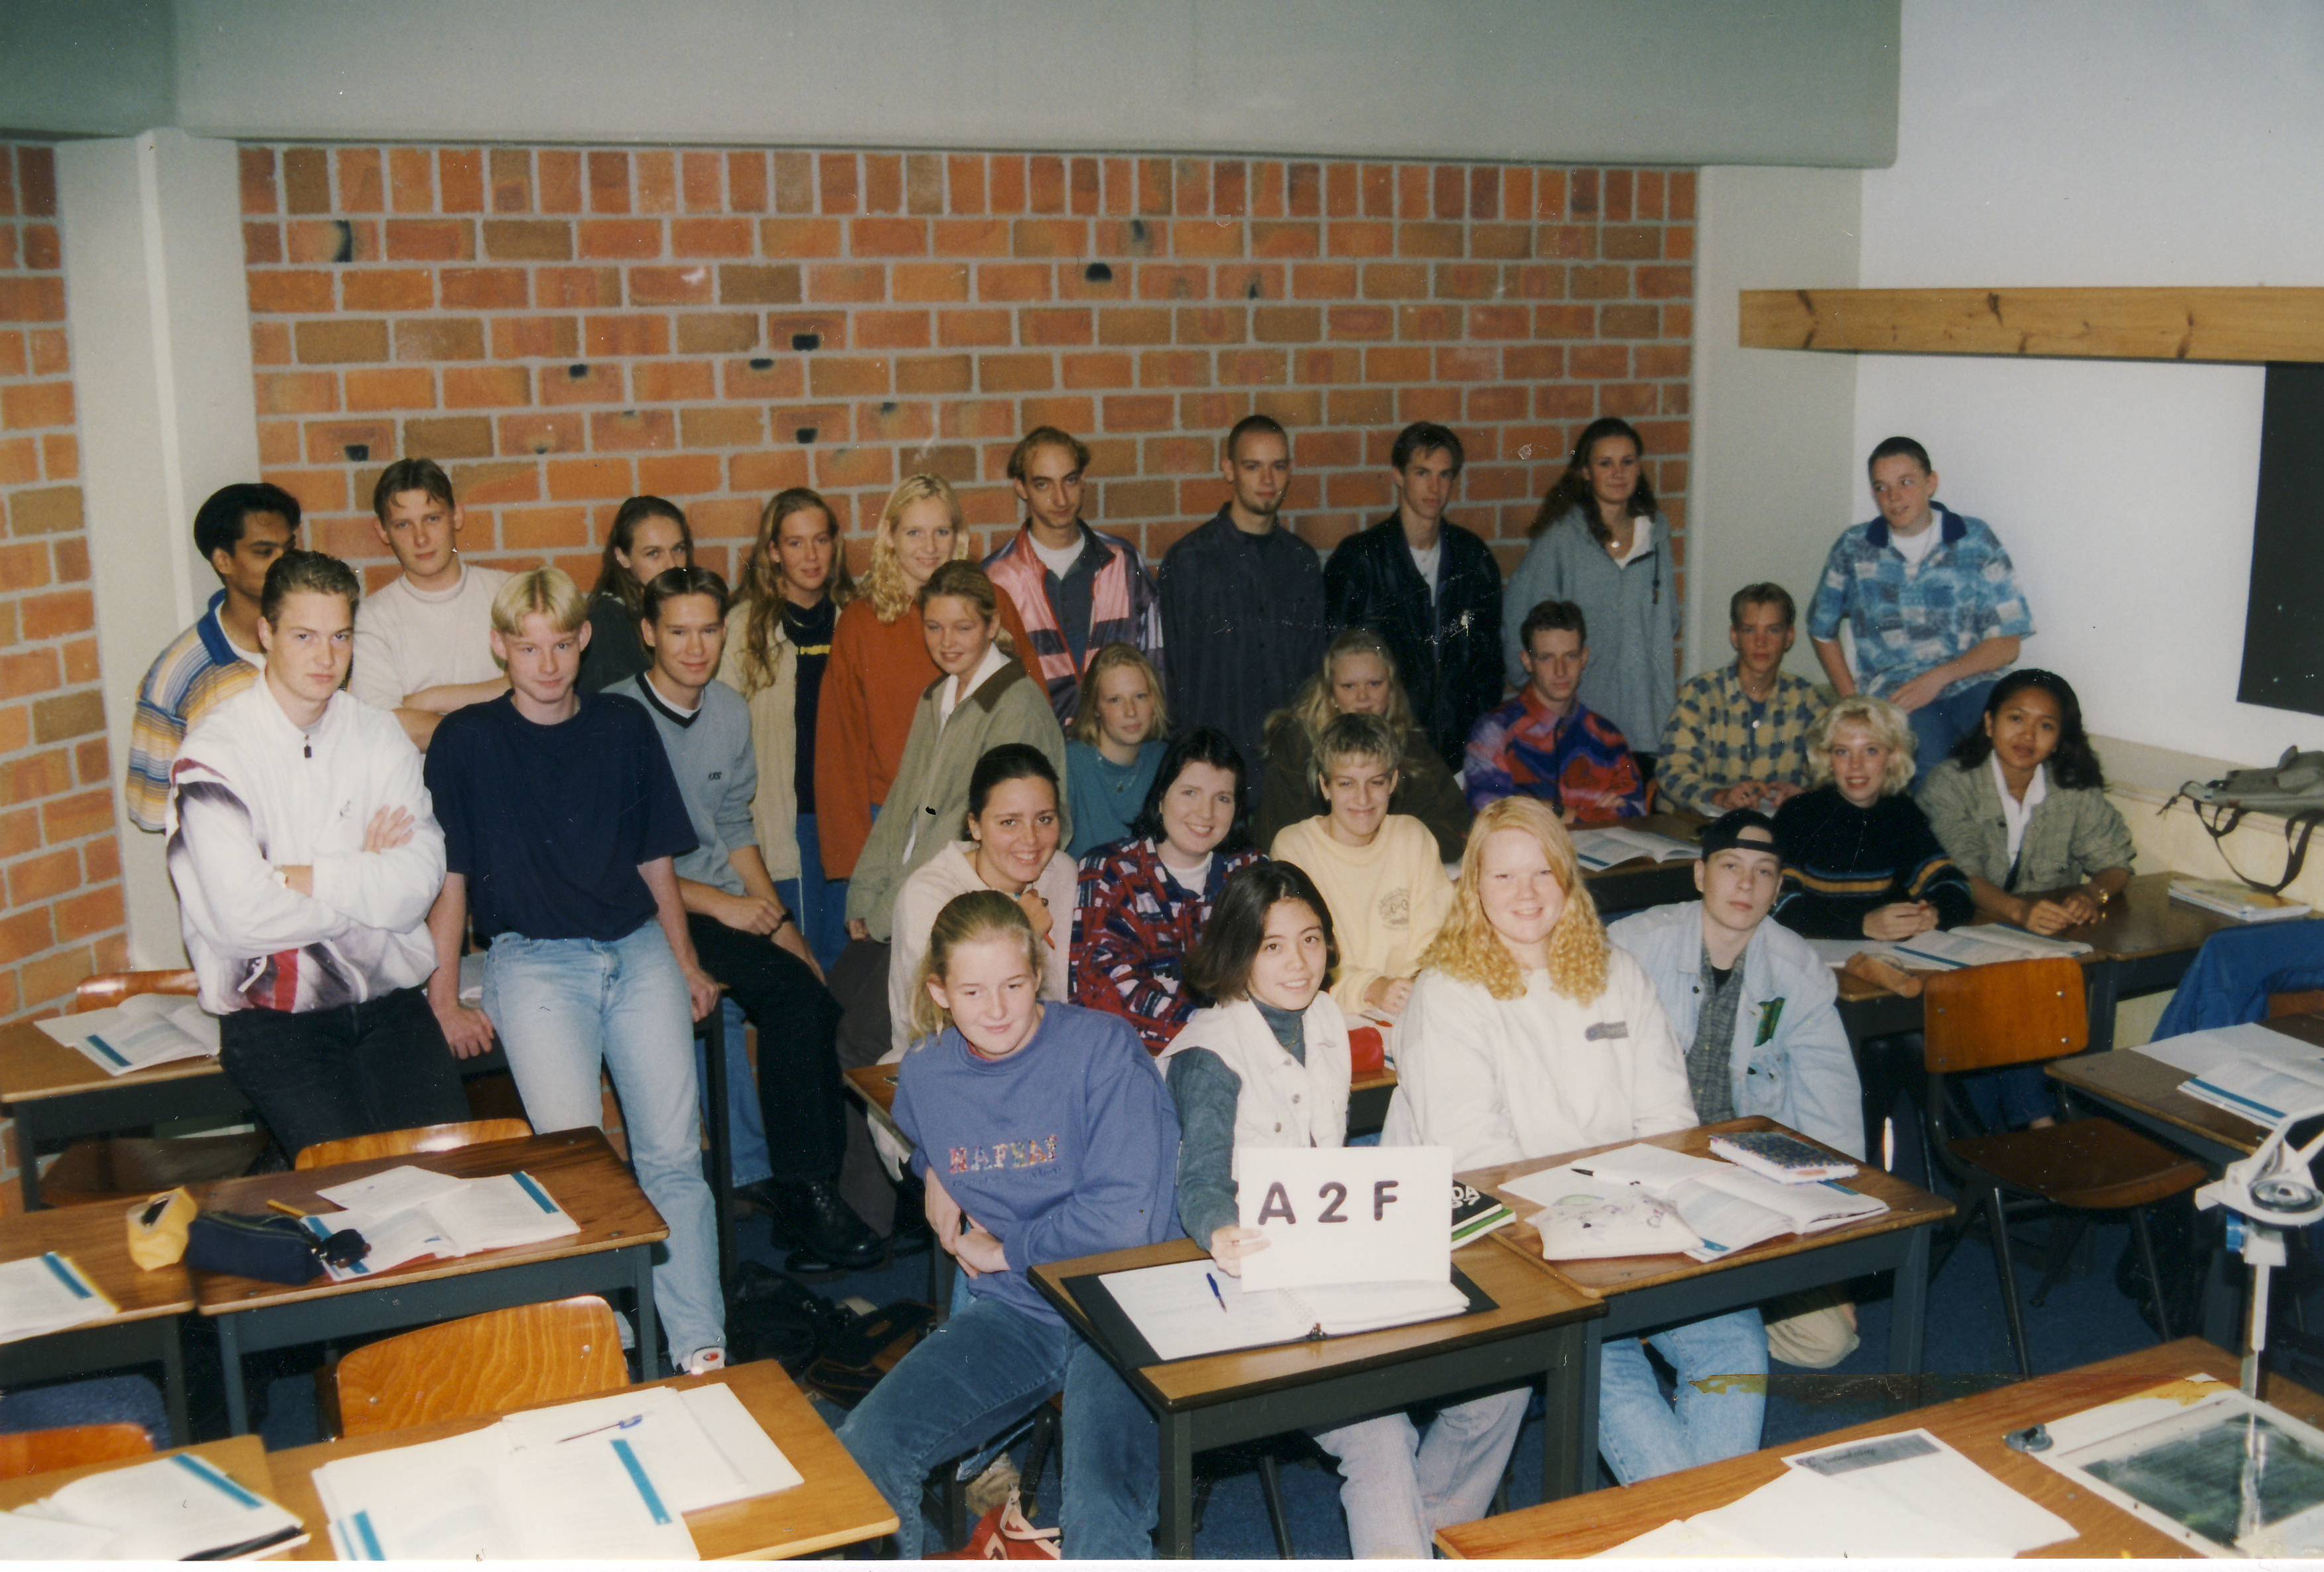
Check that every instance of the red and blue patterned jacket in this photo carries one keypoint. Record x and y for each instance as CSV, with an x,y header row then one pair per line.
x,y
1579,762
1134,925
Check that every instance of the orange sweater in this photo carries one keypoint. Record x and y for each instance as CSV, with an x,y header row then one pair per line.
x,y
864,717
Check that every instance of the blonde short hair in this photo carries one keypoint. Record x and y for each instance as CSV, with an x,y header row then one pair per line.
x,y
883,580
543,591
983,913
1116,657
1468,947
1883,720
1353,736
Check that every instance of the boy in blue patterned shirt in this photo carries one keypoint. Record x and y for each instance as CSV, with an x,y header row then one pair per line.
x,y
1932,600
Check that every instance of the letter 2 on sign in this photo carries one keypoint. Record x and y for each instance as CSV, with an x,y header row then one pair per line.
x,y
1333,1196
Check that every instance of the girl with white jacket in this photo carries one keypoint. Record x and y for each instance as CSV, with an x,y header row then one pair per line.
x,y
1268,1066
1529,1035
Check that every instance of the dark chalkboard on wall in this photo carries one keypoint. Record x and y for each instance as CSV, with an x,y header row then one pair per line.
x,y
2283,630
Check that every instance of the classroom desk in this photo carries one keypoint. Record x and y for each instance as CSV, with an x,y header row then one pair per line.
x,y
1638,884
153,1305
835,1506
1643,1292
1217,1401
57,1094
1587,1525
612,1252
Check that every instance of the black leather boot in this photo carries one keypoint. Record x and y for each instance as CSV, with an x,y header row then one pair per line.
x,y
809,1217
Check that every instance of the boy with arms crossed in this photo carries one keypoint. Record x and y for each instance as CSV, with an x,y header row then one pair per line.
x,y
561,821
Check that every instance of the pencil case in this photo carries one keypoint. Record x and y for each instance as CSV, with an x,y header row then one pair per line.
x,y
271,1249
158,1227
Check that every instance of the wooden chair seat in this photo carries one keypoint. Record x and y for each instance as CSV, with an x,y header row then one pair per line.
x,y
108,989
30,1452
489,1363
2090,1164
421,1138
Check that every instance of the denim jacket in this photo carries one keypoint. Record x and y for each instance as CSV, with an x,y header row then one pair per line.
x,y
1791,1059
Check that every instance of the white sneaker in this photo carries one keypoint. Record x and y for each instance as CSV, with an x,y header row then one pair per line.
x,y
702,1361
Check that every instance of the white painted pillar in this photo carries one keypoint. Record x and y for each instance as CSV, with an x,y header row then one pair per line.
x,y
160,317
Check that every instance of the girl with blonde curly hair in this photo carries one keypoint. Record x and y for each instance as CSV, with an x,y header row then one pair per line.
x,y
1528,1036
881,665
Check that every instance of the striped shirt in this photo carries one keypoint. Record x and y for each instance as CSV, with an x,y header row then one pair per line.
x,y
200,667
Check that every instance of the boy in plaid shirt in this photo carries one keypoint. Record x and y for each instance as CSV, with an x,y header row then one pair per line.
x,y
1738,736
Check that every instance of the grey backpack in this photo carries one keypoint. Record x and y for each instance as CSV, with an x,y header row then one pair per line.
x,y
2294,787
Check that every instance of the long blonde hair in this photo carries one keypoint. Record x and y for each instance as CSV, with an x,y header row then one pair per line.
x,y
980,913
1469,949
762,599
1114,657
1311,708
883,580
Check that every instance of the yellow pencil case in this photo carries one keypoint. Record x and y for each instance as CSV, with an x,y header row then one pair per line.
x,y
157,1229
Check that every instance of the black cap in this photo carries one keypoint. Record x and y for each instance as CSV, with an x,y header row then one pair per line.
x,y
1728,831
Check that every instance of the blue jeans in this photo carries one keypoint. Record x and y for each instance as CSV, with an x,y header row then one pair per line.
x,y
818,903
1644,1434
98,1400
747,1159
2235,970
2012,1099
564,1008
1938,725
981,1372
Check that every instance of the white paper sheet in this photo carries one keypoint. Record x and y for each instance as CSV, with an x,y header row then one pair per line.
x,y
1917,1471
168,1510
592,1501
1836,951
46,1293
500,1212
25,1537
742,1440
391,1190
1173,1309
1805,1515
393,1239
688,1467
145,1030
1356,1214
1683,1539
1656,1168
2199,1052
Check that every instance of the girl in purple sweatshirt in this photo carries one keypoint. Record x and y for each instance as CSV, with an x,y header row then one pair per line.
x,y
1042,1133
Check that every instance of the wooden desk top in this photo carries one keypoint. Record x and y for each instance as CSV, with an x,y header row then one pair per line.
x,y
1522,1299
96,1237
577,1167
34,1066
1909,1206
241,1458
2135,1080
875,1084
835,1506
1583,1525
2144,922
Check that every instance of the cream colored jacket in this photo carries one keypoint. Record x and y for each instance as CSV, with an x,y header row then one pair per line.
x,y
774,740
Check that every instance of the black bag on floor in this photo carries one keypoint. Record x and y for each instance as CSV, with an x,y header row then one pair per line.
x,y
770,1316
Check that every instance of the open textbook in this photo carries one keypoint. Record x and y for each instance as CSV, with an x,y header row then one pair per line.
x,y
1191,1308
146,1030
47,1294
608,1478
1600,850
407,1212
1907,1494
1727,1207
1979,944
173,1509
2249,1071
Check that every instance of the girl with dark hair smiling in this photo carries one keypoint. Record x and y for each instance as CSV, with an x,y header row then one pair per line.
x,y
650,536
1142,902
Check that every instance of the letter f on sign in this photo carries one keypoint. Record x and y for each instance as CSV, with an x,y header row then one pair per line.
x,y
1383,1196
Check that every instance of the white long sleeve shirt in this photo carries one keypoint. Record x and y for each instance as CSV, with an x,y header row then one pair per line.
x,y
1501,1080
251,794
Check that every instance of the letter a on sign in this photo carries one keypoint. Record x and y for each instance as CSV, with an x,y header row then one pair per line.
x,y
1346,1214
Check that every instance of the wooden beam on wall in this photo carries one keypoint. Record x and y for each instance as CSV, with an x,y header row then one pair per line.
x,y
2251,325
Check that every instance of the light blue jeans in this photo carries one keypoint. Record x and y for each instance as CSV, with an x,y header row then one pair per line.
x,y
747,1159
819,905
564,1007
1399,1487
1644,1434
981,1372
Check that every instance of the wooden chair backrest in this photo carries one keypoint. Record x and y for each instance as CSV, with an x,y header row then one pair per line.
x,y
1986,1017
402,1143
486,1365
103,992
45,1451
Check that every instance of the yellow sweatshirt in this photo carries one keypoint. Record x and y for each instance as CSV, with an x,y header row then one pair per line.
x,y
1387,900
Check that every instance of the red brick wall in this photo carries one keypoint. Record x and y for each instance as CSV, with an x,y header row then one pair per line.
x,y
60,861
565,328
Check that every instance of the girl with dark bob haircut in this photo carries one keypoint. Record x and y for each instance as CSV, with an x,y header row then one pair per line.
x,y
1202,745
1219,967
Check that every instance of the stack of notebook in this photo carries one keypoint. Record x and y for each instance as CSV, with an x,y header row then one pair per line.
x,y
408,1212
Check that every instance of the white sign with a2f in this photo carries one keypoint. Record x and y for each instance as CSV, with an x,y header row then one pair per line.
x,y
1346,1214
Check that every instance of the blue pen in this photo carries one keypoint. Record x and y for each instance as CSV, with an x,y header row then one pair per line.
x,y
1216,1293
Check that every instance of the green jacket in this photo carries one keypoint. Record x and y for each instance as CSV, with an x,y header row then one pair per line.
x,y
2074,832
931,787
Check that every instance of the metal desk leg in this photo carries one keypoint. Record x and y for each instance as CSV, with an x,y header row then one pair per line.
x,y
2105,997
1177,1515
720,1124
173,1381
1563,1453
1584,1474
238,1401
1909,1311
649,1359
28,1176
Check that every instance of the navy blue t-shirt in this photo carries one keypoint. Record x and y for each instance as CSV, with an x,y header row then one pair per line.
x,y
549,824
